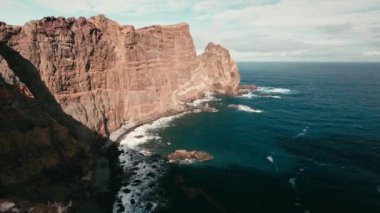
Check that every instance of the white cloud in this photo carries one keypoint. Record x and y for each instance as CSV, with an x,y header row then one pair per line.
x,y
251,29
335,29
301,13
372,54
141,7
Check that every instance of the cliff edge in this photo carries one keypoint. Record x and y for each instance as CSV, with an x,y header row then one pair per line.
x,y
67,82
104,74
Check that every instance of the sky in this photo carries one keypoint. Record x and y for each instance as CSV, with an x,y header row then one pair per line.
x,y
252,30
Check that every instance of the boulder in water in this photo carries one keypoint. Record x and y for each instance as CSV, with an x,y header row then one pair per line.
x,y
189,156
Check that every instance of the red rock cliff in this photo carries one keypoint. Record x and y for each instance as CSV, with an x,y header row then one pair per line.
x,y
105,75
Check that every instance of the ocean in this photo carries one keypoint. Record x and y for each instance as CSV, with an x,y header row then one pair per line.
x,y
308,140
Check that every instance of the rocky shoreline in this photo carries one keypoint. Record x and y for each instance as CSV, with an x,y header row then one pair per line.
x,y
99,195
143,170
99,186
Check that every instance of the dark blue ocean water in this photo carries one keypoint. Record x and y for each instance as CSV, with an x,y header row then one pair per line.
x,y
315,148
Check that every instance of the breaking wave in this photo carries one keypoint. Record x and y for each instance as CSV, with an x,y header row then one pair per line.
x,y
208,96
270,96
147,132
248,95
244,108
303,132
270,159
273,90
264,92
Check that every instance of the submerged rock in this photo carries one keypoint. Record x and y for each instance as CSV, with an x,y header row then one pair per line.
x,y
189,156
149,206
247,87
120,207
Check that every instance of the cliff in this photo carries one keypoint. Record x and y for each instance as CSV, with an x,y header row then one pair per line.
x,y
66,82
105,75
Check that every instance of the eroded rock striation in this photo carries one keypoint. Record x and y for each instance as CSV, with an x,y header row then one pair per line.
x,y
104,74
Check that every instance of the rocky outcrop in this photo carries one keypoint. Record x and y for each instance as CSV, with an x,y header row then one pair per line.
x,y
247,87
184,156
105,75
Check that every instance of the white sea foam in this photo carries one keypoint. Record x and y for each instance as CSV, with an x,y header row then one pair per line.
x,y
270,159
185,161
292,182
248,95
145,152
271,96
196,111
251,95
244,108
271,90
208,96
146,132
141,168
139,184
303,132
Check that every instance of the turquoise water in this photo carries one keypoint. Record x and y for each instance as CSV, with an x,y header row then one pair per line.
x,y
315,147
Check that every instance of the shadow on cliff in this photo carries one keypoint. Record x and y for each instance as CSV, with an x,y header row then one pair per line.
x,y
29,75
61,181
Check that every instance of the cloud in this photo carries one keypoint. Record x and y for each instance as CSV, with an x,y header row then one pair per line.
x,y
220,5
132,7
251,29
372,54
315,30
335,29
300,13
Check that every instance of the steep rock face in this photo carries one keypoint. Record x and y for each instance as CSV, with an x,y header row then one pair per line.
x,y
33,145
105,75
